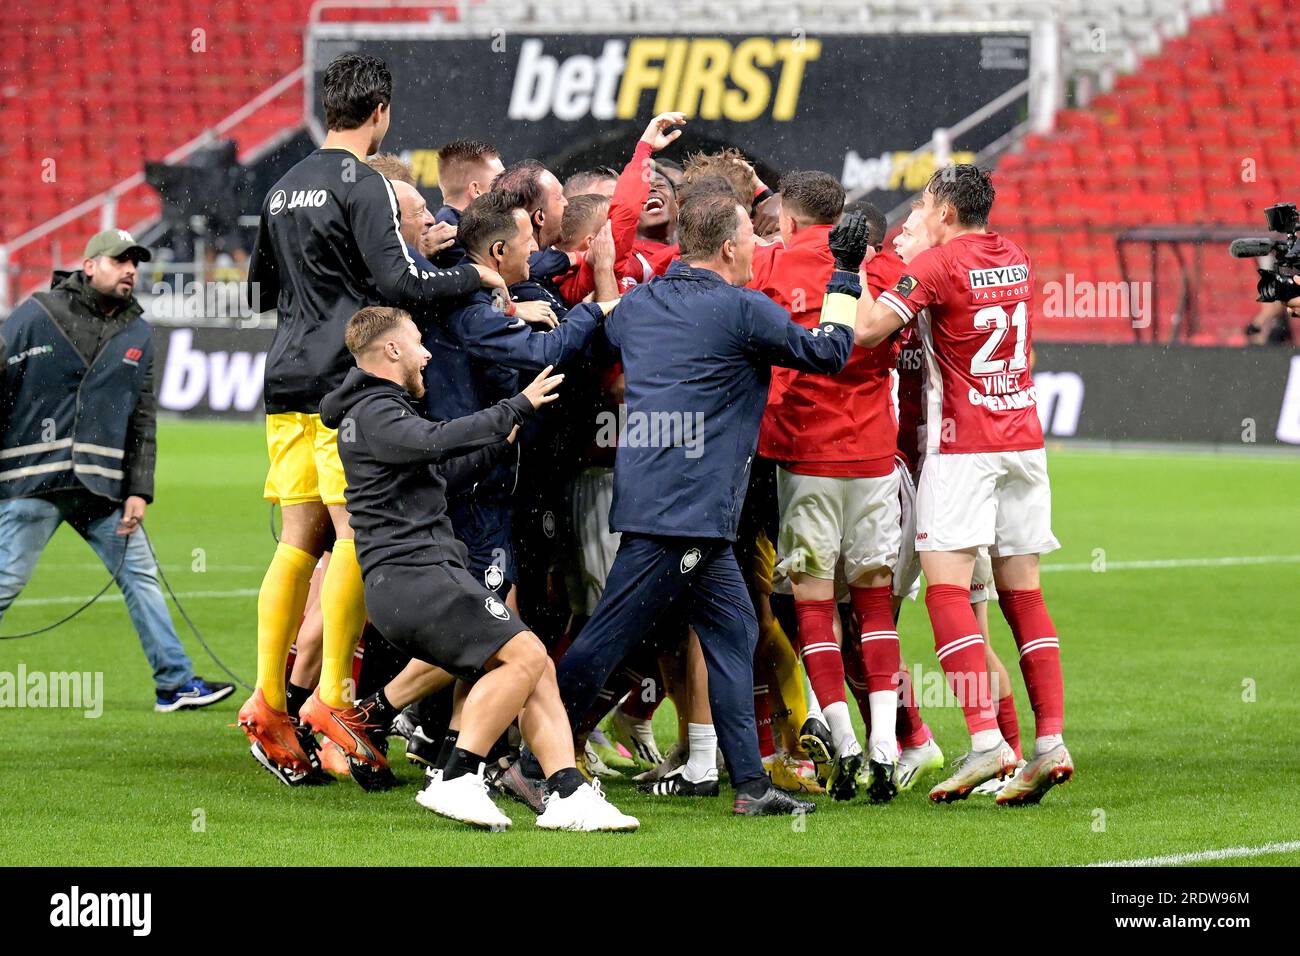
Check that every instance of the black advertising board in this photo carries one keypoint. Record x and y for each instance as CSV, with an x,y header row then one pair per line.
x,y
855,105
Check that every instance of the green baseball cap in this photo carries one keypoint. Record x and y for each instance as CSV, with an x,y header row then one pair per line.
x,y
116,243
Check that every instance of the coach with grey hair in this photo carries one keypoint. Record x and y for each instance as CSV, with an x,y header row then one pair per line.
x,y
698,348
77,416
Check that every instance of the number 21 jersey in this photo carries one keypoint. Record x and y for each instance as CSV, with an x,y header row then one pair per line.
x,y
977,289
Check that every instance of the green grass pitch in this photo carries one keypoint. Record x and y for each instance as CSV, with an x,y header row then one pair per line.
x,y
1181,703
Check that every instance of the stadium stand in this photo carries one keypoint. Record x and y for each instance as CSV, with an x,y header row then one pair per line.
x,y
92,121
1198,137
1149,140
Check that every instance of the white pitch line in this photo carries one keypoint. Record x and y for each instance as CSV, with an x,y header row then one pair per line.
x,y
1206,856
116,596
1223,562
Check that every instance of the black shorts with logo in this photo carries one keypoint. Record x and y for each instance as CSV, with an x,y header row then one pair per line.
x,y
440,614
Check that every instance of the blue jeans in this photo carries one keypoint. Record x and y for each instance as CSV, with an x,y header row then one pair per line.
x,y
26,526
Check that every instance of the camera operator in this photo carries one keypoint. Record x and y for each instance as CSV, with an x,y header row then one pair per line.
x,y
1271,324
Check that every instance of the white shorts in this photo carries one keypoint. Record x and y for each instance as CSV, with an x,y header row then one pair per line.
x,y
825,519
593,494
999,500
981,581
907,574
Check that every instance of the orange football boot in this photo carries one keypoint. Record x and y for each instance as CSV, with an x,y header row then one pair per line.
x,y
272,731
349,727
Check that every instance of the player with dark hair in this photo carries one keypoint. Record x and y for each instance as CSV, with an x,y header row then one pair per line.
x,y
478,354
399,466
833,440
984,480
328,244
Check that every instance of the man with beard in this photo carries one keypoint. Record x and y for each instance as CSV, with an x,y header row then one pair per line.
x,y
77,416
399,466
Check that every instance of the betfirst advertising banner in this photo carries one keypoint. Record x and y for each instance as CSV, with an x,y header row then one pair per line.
x,y
853,105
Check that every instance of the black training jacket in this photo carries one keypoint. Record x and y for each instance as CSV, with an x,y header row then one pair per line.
x,y
328,245
400,466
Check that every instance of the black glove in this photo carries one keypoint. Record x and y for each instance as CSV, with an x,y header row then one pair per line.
x,y
848,242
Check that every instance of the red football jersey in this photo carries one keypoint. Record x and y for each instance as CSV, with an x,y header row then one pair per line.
x,y
883,271
649,259
976,290
911,387
833,425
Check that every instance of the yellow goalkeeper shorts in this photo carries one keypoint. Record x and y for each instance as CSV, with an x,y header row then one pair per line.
x,y
305,463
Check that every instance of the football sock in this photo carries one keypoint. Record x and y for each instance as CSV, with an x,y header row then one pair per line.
x,y
912,731
444,751
565,782
702,759
960,649
280,603
814,708
296,696
1040,657
1009,723
530,766
841,725
880,659
763,718
1046,743
820,651
785,668
460,763
857,685
343,613
382,712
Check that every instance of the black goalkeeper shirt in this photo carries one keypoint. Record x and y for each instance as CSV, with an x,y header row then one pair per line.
x,y
328,245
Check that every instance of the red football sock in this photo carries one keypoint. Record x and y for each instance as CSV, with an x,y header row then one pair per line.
x,y
820,653
912,731
857,681
1009,723
960,648
635,705
763,716
1040,657
879,636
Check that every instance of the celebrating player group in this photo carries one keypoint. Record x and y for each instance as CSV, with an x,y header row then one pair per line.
x,y
556,452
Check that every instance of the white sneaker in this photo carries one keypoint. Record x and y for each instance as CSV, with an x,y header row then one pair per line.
x,y
585,809
465,799
916,762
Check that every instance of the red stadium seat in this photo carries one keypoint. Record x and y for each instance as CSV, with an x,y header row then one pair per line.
x,y
1200,135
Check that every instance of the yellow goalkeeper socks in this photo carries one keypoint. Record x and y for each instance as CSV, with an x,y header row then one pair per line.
x,y
785,667
343,613
280,604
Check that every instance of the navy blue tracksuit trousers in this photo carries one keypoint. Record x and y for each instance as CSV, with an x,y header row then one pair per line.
x,y
651,577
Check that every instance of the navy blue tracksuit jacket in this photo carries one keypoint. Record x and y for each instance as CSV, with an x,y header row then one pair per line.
x,y
697,350
478,357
